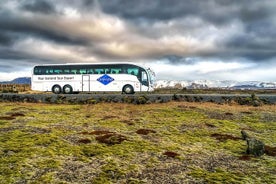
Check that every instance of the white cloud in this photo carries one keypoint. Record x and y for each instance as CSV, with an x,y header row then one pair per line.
x,y
206,67
12,75
214,70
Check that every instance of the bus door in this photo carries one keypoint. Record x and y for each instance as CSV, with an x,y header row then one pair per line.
x,y
144,81
85,82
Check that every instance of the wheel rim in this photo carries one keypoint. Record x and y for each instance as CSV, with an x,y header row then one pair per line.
x,y
56,90
67,90
128,90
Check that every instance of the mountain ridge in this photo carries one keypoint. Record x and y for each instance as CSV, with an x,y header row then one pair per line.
x,y
19,80
205,84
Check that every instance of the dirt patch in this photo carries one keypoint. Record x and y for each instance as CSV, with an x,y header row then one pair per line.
x,y
224,137
145,131
210,125
16,114
171,154
97,132
128,122
190,126
221,116
11,128
84,141
11,115
7,117
37,130
111,138
270,151
109,117
268,117
161,174
186,107
75,171
246,112
245,157
229,114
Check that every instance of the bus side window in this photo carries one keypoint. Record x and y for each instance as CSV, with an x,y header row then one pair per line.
x,y
57,71
66,71
90,71
51,71
107,71
37,71
82,71
73,71
115,71
133,71
99,71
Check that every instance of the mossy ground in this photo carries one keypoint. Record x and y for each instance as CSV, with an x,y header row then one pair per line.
x,y
180,143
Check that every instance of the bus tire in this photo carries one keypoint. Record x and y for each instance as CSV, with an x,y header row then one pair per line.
x,y
56,89
67,89
128,89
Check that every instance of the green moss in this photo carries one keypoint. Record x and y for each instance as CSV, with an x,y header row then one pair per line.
x,y
219,176
36,147
111,171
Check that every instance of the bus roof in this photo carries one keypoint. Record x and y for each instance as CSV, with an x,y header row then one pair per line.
x,y
103,63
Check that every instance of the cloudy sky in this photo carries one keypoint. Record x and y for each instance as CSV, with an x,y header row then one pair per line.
x,y
179,39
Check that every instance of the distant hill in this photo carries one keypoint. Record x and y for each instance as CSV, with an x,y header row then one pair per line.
x,y
20,80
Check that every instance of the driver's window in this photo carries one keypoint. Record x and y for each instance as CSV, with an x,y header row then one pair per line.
x,y
144,78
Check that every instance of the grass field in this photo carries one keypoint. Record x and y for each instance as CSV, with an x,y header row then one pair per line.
x,y
14,88
176,142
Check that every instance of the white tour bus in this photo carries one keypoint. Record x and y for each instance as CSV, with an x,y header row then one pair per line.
x,y
68,78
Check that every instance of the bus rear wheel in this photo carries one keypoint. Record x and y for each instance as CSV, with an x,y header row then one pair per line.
x,y
56,89
128,89
67,89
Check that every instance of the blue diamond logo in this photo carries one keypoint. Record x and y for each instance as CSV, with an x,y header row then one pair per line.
x,y
105,79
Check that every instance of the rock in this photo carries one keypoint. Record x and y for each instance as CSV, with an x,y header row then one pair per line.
x,y
244,135
255,147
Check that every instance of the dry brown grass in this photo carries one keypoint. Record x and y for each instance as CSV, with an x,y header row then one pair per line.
x,y
14,87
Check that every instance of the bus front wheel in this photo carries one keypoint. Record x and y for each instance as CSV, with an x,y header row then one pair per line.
x,y
128,89
67,89
56,89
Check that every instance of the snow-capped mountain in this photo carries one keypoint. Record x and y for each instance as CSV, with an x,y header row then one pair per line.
x,y
203,84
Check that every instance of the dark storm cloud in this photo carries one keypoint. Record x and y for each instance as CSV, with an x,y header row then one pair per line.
x,y
257,42
252,47
179,60
215,11
7,53
39,6
151,10
6,68
22,27
5,39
